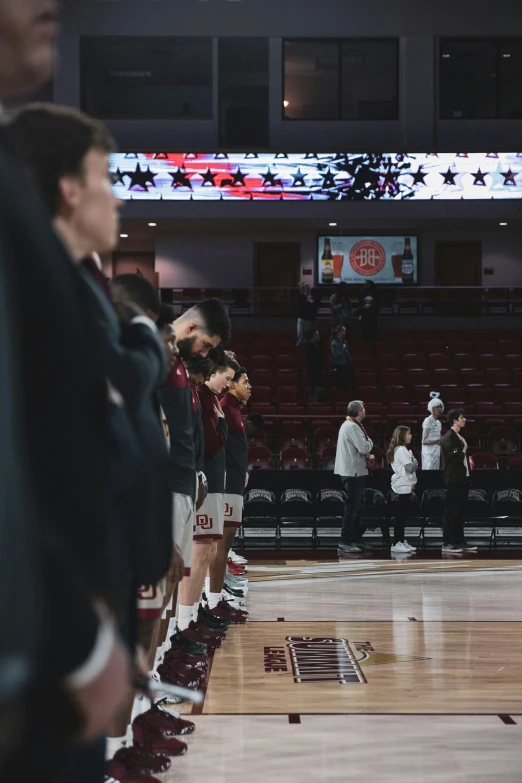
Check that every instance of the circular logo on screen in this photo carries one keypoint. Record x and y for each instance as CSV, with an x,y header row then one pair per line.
x,y
367,258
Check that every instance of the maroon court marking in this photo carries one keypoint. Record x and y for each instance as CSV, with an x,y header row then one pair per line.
x,y
412,619
508,720
294,718
280,619
197,709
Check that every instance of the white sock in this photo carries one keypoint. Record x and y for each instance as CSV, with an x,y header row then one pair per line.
x,y
195,610
114,744
184,617
213,600
207,585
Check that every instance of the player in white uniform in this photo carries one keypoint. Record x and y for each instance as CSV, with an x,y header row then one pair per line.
x,y
431,434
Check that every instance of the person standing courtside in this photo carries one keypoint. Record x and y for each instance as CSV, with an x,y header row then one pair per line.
x,y
353,445
456,474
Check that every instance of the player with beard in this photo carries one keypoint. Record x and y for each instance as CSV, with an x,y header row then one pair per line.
x,y
236,460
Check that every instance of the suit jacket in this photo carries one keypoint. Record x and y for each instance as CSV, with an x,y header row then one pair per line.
x,y
453,459
141,501
63,401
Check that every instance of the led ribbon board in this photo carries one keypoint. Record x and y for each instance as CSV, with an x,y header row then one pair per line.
x,y
310,176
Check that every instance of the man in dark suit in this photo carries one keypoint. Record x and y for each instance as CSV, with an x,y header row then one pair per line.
x,y
81,672
456,474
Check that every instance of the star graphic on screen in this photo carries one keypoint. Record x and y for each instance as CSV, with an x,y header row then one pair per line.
x,y
150,177
221,156
180,179
209,178
449,176
299,179
432,154
328,180
418,176
191,156
239,177
281,155
479,178
462,154
161,156
117,176
131,155
139,179
492,155
251,155
310,155
509,177
269,178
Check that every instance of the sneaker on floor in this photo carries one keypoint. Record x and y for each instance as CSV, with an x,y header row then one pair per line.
x,y
468,547
181,657
452,549
237,570
210,638
236,581
410,547
212,621
401,548
349,548
163,719
233,591
130,779
239,559
186,641
401,555
156,740
236,616
182,679
135,761
364,547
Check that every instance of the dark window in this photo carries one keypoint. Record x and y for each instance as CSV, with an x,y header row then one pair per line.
x,y
147,78
354,79
243,93
480,79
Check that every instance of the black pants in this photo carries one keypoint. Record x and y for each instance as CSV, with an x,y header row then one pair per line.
x,y
456,502
352,529
402,512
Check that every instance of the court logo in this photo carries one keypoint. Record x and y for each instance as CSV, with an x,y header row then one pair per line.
x,y
204,521
367,258
323,659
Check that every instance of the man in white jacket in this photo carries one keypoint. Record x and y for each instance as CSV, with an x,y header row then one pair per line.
x,y
353,445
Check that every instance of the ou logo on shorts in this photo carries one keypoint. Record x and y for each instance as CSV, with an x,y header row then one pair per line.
x,y
204,522
229,510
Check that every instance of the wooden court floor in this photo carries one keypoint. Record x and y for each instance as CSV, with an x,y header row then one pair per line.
x,y
402,670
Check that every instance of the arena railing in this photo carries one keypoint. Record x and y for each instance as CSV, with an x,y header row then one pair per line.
x,y
394,300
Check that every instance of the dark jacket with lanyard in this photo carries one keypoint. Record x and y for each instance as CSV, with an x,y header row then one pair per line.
x,y
215,429
454,459
236,447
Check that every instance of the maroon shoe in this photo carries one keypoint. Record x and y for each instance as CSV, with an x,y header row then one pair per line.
x,y
155,740
236,616
192,634
135,761
183,680
191,660
163,719
124,778
212,640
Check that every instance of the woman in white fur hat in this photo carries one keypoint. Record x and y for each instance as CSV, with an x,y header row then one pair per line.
x,y
431,434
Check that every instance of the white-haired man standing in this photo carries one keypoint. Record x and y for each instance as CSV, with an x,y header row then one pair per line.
x,y
353,445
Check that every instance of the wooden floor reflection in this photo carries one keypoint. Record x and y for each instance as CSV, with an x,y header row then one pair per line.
x,y
394,670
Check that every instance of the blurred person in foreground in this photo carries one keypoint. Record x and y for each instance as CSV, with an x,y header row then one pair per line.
x,y
80,669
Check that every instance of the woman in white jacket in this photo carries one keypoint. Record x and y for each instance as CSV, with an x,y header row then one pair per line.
x,y
403,483
431,434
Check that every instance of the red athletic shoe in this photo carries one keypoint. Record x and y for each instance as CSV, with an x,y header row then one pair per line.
x,y
184,679
167,722
210,638
135,761
236,616
235,569
174,655
155,740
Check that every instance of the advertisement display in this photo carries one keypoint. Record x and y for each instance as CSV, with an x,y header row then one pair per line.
x,y
385,260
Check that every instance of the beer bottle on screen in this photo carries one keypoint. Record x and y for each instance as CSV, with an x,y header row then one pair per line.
x,y
327,275
407,262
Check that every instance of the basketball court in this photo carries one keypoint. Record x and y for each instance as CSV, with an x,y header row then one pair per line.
x,y
386,669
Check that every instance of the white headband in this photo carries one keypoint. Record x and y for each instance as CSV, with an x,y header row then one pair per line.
x,y
435,402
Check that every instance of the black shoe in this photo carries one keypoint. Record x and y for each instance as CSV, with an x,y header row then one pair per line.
x,y
210,621
234,592
452,549
468,547
180,642
365,547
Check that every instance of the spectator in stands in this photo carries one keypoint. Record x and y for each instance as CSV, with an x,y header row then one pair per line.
x,y
341,306
431,434
307,307
314,365
404,479
370,306
353,445
456,474
341,359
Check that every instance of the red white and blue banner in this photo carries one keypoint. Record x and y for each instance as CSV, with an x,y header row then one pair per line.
x,y
310,176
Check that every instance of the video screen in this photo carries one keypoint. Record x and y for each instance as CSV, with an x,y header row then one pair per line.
x,y
385,260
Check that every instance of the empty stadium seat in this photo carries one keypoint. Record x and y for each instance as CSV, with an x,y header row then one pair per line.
x,y
503,441
482,460
259,457
293,458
